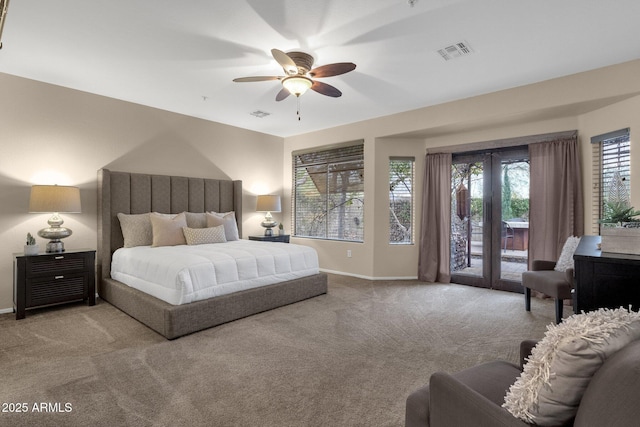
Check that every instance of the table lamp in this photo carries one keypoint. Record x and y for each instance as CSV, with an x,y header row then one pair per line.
x,y
54,199
268,203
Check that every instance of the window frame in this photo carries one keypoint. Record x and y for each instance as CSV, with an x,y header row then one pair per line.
x,y
600,148
411,196
326,168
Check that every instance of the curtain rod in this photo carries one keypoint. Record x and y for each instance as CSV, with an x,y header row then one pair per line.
x,y
503,143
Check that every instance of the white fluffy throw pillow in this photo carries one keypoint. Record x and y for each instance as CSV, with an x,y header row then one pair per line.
x,y
566,257
549,390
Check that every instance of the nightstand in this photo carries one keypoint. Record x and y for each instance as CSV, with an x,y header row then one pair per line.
x,y
284,238
53,278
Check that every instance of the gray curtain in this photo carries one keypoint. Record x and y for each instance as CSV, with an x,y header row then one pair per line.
x,y
435,252
556,204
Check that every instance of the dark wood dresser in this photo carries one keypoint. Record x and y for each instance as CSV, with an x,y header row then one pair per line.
x,y
53,278
604,279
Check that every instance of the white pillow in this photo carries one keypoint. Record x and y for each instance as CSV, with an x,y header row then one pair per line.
x,y
201,236
566,257
136,229
555,376
167,230
228,219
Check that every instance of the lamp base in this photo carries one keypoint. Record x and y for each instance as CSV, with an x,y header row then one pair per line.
x,y
55,246
55,234
268,232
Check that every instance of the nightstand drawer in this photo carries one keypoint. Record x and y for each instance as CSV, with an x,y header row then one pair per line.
x,y
48,264
52,290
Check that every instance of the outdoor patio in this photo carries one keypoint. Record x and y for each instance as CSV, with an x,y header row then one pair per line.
x,y
513,264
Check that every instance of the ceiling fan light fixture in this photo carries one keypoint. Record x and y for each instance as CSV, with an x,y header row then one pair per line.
x,y
297,85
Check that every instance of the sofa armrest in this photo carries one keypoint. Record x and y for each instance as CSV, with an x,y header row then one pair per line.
x,y
525,350
454,404
540,265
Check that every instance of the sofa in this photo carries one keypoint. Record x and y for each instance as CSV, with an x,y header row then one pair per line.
x,y
474,396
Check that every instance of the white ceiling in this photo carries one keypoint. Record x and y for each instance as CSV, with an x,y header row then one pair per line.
x,y
181,56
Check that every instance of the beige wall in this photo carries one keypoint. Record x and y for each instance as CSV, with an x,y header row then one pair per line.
x,y
51,134
593,102
54,135
624,114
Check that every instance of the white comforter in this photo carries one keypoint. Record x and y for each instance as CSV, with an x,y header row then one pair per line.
x,y
183,274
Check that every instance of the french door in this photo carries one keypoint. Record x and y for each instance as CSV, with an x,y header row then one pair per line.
x,y
490,218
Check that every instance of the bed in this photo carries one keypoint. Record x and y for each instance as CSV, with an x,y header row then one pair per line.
x,y
132,193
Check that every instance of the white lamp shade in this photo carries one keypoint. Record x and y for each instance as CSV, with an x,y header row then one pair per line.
x,y
268,203
54,198
297,85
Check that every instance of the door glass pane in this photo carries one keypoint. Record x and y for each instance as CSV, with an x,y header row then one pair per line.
x,y
514,242
467,219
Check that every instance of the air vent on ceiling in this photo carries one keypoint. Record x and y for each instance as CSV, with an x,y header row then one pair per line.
x,y
456,50
260,114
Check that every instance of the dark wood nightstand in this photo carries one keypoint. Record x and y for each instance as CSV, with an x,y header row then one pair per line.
x,y
280,238
53,278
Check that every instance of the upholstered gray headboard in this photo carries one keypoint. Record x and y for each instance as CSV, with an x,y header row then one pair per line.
x,y
133,193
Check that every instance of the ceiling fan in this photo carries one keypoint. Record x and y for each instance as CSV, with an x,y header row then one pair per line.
x,y
299,75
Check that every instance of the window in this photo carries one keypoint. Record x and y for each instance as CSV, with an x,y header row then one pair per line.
x,y
401,200
328,193
611,173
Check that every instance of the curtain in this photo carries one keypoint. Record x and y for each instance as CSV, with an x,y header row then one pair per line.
x,y
556,202
434,251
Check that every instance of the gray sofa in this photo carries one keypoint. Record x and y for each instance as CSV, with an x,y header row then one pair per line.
x,y
473,397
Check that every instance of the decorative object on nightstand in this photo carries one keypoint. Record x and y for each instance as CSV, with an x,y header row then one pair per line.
x,y
268,203
53,278
54,199
31,248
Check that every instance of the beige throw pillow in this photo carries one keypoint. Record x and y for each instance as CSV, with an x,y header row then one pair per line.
x,y
228,219
555,376
167,231
136,229
202,236
196,219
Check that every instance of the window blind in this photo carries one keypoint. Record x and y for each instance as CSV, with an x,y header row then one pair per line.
x,y
328,193
611,169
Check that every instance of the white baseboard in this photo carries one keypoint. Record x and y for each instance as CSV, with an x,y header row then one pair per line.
x,y
6,310
360,276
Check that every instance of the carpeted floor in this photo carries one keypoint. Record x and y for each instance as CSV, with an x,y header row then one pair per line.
x,y
348,358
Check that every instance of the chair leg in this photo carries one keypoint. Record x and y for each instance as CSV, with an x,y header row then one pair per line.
x,y
559,306
527,299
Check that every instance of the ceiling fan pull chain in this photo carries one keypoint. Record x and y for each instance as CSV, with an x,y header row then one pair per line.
x,y
298,112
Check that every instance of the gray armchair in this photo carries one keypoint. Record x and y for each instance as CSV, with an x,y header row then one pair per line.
x,y
474,396
543,278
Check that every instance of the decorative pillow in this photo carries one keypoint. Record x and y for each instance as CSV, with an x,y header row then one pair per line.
x,y
196,219
561,365
136,229
566,257
201,236
228,219
167,231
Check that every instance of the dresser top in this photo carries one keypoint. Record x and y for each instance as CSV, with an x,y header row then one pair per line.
x,y
588,249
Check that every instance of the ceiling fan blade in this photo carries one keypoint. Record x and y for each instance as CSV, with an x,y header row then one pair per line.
x,y
285,61
332,69
256,79
282,94
325,89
